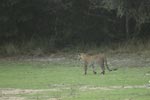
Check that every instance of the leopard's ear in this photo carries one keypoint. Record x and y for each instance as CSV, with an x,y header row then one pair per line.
x,y
79,56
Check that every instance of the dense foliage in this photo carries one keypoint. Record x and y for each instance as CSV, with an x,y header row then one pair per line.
x,y
68,22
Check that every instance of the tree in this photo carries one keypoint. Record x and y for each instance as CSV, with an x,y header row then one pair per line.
x,y
139,10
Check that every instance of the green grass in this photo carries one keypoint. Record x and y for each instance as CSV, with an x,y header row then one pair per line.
x,y
68,80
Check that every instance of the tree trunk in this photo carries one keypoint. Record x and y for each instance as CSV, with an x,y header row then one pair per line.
x,y
127,25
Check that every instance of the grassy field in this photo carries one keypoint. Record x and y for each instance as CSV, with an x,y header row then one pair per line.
x,y
64,80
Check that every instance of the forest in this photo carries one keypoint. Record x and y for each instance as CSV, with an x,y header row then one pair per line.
x,y
50,25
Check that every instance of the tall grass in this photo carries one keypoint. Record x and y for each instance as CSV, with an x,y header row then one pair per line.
x,y
9,49
31,47
45,46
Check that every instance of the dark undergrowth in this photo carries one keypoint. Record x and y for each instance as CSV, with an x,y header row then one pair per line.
x,y
43,48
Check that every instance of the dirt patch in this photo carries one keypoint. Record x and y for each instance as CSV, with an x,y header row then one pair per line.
x,y
82,88
12,98
53,99
85,88
129,60
11,94
23,91
116,60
